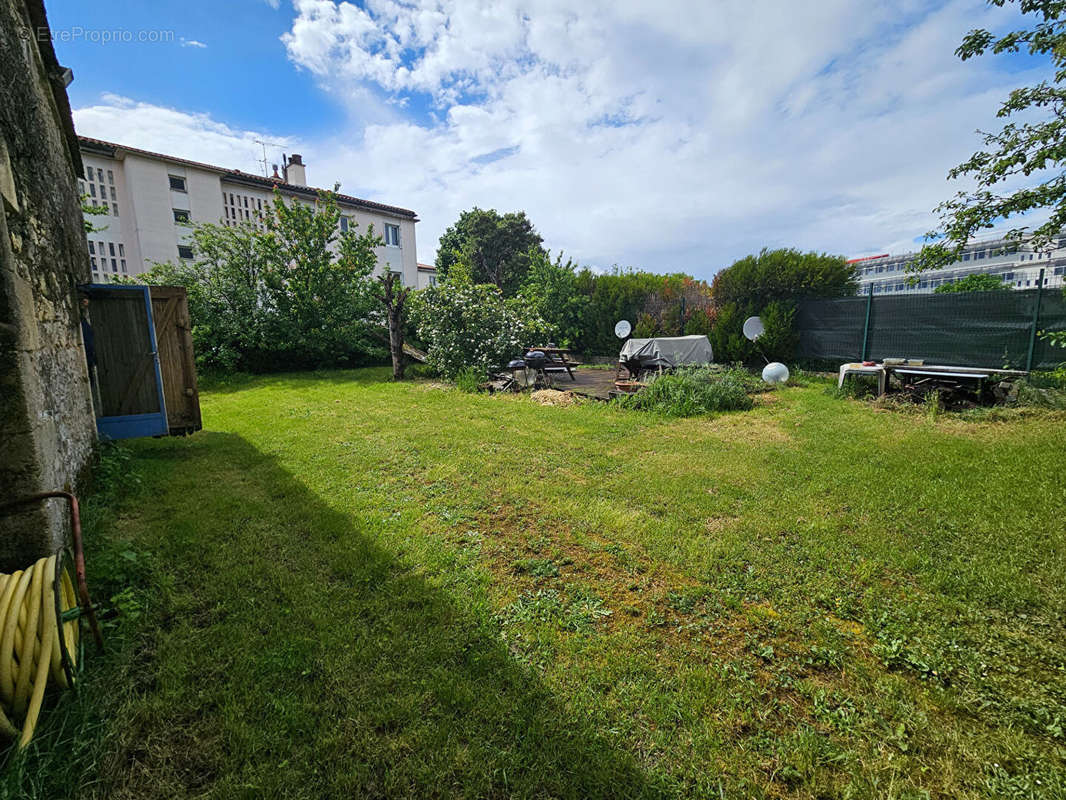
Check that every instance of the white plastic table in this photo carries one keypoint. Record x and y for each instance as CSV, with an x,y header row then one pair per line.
x,y
858,368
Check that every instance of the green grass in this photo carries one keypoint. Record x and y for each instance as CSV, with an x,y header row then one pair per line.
x,y
694,391
351,588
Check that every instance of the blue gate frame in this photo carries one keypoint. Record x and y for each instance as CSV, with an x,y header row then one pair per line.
x,y
131,426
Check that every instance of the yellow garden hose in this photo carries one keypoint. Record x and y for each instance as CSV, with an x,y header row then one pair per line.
x,y
38,641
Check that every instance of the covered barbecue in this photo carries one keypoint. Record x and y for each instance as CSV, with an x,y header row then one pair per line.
x,y
665,352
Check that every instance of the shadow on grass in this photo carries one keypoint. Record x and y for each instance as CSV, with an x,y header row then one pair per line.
x,y
286,653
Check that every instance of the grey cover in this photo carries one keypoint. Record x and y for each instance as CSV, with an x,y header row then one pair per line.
x,y
668,351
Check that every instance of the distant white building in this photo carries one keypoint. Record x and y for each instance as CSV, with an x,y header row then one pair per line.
x,y
1017,263
151,198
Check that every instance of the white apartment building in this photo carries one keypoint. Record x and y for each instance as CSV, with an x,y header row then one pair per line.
x,y
150,200
1017,263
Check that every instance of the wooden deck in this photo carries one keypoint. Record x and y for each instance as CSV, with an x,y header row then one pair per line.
x,y
589,382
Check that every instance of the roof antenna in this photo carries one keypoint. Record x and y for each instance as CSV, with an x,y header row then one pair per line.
x,y
263,161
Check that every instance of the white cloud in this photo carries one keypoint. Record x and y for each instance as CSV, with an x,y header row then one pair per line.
x,y
195,136
673,135
191,43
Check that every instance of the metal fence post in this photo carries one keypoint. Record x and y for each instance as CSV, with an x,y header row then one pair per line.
x,y
866,326
1036,321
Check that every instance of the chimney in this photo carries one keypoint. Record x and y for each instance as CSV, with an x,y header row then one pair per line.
x,y
294,170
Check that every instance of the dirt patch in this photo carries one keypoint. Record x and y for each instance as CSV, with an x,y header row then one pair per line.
x,y
554,397
718,524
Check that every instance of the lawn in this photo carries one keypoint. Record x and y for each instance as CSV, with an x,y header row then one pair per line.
x,y
346,587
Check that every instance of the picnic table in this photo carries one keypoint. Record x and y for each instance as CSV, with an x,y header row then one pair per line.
x,y
560,359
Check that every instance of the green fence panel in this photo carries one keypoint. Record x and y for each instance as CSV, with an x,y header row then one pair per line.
x,y
980,329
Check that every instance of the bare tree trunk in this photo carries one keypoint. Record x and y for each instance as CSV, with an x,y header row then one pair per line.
x,y
393,299
396,344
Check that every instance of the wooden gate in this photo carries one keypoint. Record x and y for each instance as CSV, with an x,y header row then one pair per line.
x,y
127,364
173,333
145,371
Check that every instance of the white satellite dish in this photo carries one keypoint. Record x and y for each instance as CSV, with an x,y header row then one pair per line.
x,y
753,328
623,328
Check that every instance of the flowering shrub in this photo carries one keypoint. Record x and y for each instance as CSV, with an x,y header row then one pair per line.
x,y
472,326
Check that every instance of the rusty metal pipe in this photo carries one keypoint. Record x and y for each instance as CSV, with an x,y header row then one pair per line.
x,y
79,554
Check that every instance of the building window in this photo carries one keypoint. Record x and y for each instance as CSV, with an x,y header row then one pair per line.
x,y
92,190
344,224
114,208
177,183
184,251
122,261
432,280
181,216
92,248
965,256
392,235
110,177
397,275
93,260
121,249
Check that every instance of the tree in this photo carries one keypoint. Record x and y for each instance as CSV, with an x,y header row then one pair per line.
x,y
982,282
319,281
1019,151
295,294
551,291
393,298
496,248
228,303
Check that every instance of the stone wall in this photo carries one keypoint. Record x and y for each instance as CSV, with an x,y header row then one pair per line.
x,y
47,430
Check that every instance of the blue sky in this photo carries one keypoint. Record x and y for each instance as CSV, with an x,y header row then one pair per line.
x,y
240,74
678,135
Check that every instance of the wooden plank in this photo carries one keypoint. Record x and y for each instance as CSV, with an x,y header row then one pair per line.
x,y
146,369
176,360
123,349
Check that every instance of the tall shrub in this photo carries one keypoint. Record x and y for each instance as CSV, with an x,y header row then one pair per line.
x,y
551,291
769,285
290,294
472,326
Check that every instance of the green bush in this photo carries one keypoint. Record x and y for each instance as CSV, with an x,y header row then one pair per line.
x,y
690,392
468,380
1041,397
289,291
466,326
